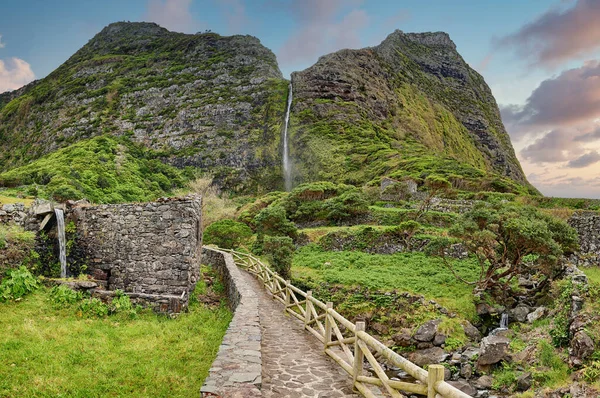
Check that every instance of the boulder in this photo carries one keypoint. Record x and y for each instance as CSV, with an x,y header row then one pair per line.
x,y
537,314
428,356
581,347
524,382
472,332
466,371
464,386
484,382
439,339
492,350
403,338
470,353
519,314
427,331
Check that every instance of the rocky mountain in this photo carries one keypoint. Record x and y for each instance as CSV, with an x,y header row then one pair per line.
x,y
200,100
408,107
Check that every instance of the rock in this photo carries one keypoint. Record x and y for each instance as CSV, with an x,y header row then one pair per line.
x,y
537,314
428,356
524,382
464,386
403,338
483,309
492,350
380,328
484,382
42,208
427,331
519,314
466,371
439,339
580,348
470,354
472,332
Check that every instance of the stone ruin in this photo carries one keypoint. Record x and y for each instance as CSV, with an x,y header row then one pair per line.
x,y
150,251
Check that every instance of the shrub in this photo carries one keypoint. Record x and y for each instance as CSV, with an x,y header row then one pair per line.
x,y
227,234
120,303
279,251
62,294
273,221
93,307
18,283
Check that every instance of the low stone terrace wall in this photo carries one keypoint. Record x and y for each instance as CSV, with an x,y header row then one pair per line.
x,y
236,372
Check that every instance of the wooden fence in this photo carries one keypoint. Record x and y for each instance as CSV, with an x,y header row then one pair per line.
x,y
347,343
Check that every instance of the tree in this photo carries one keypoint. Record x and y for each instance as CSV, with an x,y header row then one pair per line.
x,y
508,239
435,185
227,234
279,251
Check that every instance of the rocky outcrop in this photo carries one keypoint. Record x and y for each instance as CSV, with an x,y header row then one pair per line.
x,y
362,106
201,100
587,225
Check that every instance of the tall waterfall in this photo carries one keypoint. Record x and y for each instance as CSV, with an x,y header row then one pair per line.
x,y
62,242
287,167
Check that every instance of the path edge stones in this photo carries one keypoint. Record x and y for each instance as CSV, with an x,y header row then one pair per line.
x,y
237,369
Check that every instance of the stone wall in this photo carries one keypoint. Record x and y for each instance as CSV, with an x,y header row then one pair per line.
x,y
145,248
587,225
236,372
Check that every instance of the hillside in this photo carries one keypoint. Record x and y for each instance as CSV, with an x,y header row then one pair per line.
x,y
408,107
394,109
201,100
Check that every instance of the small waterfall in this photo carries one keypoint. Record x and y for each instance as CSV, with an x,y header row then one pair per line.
x,y
287,168
504,321
503,325
62,242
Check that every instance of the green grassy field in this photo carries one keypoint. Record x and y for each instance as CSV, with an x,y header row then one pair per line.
x,y
47,351
411,272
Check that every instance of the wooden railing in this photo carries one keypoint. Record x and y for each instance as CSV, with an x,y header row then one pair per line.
x,y
347,343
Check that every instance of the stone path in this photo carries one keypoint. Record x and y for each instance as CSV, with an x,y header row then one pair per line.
x,y
294,364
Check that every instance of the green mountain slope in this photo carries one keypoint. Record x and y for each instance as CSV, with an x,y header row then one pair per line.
x,y
408,107
201,100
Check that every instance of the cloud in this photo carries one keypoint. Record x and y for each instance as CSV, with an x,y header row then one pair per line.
x,y
558,35
174,15
321,30
484,63
570,98
392,22
235,15
2,45
14,74
556,146
585,160
589,137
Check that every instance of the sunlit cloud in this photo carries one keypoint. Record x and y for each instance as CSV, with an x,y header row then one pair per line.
x,y
174,15
14,74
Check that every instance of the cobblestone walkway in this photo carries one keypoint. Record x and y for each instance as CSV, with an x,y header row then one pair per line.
x,y
294,364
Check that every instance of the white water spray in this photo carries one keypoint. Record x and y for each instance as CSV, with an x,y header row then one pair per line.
x,y
287,167
60,226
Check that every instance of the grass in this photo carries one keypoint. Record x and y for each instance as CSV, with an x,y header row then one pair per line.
x,y
50,352
415,273
8,200
593,274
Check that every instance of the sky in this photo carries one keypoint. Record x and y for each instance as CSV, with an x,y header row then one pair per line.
x,y
541,58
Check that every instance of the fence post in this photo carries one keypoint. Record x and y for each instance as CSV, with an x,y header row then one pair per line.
x,y
308,306
327,335
287,294
358,354
435,374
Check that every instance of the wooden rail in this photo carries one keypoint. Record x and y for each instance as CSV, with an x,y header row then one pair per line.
x,y
347,343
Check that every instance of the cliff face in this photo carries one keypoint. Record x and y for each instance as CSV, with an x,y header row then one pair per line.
x,y
388,109
200,100
408,107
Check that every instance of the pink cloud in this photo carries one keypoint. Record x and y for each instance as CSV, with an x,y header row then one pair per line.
x,y
174,15
321,30
14,74
558,35
235,15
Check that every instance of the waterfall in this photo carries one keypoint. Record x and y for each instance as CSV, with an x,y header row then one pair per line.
x,y
60,226
287,168
504,321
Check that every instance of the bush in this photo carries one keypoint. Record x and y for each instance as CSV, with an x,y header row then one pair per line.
x,y
227,234
279,251
273,221
62,294
18,283
93,307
